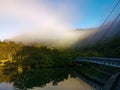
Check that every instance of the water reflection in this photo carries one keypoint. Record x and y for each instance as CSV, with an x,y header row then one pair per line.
x,y
44,79
6,86
69,84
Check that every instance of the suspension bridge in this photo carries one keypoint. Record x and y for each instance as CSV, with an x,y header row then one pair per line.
x,y
115,62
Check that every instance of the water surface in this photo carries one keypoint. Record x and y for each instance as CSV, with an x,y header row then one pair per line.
x,y
43,79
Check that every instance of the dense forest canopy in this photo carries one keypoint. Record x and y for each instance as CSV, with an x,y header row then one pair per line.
x,y
36,56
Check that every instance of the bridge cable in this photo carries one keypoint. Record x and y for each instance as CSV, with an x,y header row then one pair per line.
x,y
107,31
91,40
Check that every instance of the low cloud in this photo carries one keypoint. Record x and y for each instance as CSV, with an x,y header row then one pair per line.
x,y
37,16
39,21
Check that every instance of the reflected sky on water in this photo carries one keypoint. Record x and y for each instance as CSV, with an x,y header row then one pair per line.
x,y
69,84
42,79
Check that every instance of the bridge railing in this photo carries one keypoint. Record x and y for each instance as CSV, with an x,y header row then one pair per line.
x,y
106,61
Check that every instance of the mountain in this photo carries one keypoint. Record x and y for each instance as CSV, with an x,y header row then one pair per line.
x,y
101,35
65,40
72,38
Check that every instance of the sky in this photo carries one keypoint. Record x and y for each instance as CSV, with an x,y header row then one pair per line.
x,y
50,18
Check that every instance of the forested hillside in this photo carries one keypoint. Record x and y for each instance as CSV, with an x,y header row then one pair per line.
x,y
109,49
36,56
33,56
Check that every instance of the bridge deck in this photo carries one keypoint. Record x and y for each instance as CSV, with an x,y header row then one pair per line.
x,y
113,83
105,61
116,85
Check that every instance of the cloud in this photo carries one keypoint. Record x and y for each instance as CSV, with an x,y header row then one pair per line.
x,y
39,20
37,15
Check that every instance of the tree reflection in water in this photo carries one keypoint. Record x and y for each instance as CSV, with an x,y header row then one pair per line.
x,y
38,78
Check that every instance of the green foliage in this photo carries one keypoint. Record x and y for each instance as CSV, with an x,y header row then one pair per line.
x,y
7,49
36,56
32,56
110,49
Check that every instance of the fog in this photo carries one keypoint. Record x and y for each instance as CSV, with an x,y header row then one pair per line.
x,y
33,17
37,21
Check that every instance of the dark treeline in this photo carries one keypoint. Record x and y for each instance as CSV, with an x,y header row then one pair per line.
x,y
36,56
108,49
19,55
